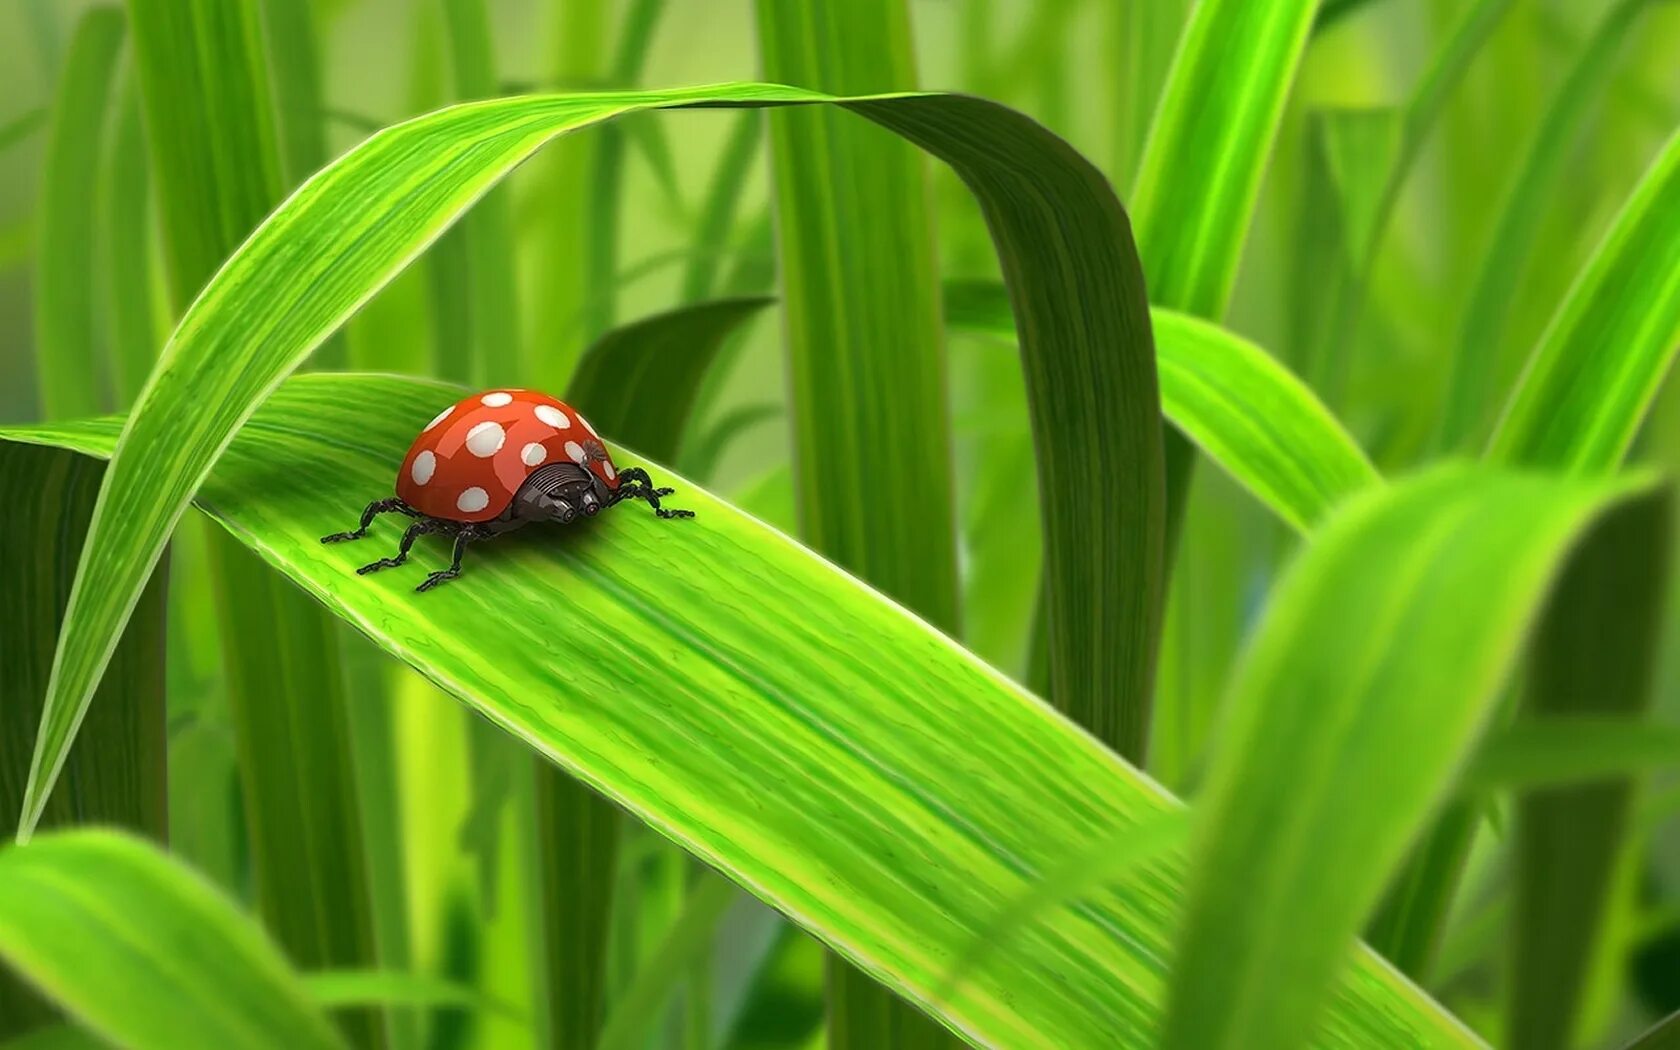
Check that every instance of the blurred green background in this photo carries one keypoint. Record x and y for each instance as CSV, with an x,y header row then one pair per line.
x,y
1087,69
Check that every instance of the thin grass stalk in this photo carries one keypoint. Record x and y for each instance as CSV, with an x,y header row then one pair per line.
x,y
134,333
68,359
1474,362
1141,37
562,282
600,245
209,117
866,360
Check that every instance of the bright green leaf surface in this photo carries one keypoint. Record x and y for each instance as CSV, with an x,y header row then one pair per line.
x,y
853,786
145,952
1340,741
1257,421
1558,751
1598,367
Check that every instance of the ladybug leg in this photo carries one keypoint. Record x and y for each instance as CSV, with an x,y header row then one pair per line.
x,y
374,509
415,531
634,483
466,535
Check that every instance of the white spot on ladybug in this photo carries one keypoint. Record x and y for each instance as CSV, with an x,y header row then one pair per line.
x,y
574,450
553,417
533,454
441,416
485,440
473,500
496,400
424,465
611,473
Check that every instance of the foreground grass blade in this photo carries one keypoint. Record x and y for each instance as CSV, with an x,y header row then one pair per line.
x,y
854,788
203,76
1339,741
1596,370
1595,654
146,953
67,357
1257,421
1480,331
865,352
116,773
351,228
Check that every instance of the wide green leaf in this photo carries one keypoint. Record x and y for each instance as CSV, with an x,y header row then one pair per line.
x,y
1595,372
146,953
1340,740
854,787
352,227
1257,421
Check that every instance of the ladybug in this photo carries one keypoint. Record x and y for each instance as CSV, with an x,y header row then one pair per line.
x,y
494,461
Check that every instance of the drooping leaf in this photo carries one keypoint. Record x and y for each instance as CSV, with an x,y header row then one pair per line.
x,y
1595,372
350,229
732,722
146,953
1339,742
68,359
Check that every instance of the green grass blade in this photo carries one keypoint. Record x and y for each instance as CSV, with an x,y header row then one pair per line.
x,y
1295,833
1563,751
1257,421
1596,370
209,114
486,235
735,726
1142,36
1199,178
1207,150
1492,298
116,773
146,953
337,989
68,357
56,1037
859,281
300,111
1595,654
700,457
639,381
19,128
723,199
637,1012
135,331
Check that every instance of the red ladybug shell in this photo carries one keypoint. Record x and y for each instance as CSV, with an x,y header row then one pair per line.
x,y
468,463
